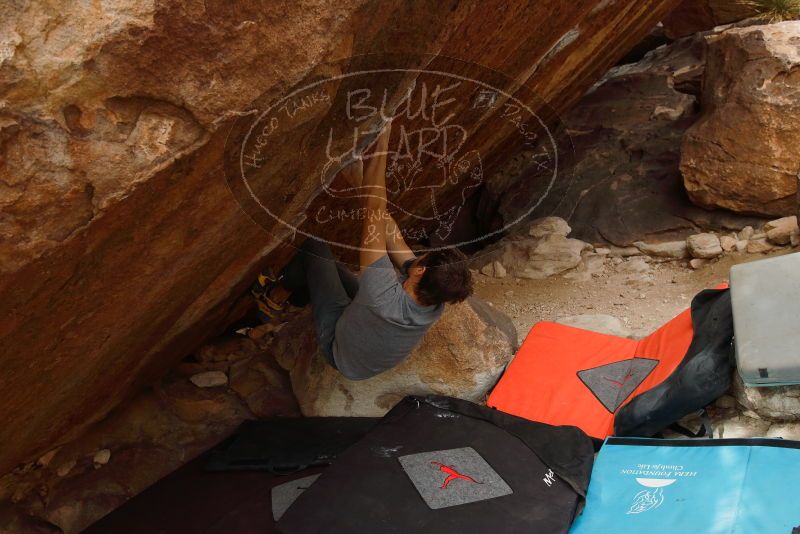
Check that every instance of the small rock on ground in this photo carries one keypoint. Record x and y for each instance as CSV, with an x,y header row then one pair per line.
x,y
101,457
549,226
670,249
780,231
65,468
210,379
494,269
704,246
697,263
728,243
757,245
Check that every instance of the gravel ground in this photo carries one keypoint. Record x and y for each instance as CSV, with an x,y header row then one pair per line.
x,y
641,300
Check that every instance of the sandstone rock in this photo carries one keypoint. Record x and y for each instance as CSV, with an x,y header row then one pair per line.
x,y
46,458
535,258
499,270
154,434
697,263
624,252
755,246
263,386
781,403
726,402
113,132
210,379
604,324
740,427
602,251
746,233
623,182
65,468
671,249
727,243
462,355
740,155
741,245
228,349
590,267
549,226
494,269
190,368
88,495
692,16
15,521
704,246
667,113
784,431
795,240
552,255
780,232
101,457
262,334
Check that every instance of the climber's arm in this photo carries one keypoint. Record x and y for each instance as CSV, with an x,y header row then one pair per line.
x,y
399,251
373,231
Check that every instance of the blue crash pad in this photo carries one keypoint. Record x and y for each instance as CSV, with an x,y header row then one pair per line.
x,y
713,486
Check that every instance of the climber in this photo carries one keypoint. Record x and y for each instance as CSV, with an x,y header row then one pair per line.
x,y
368,324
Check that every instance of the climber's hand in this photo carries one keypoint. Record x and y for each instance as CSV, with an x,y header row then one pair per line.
x,y
354,172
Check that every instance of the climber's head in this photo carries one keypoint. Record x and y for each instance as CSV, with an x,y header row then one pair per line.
x,y
441,276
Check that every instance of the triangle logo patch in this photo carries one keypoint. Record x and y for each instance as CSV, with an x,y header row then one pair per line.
x,y
612,383
453,476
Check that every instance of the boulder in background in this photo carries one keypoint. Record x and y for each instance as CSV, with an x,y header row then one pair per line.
x,y
742,154
462,355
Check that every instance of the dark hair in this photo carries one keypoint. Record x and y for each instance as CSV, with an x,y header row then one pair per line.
x,y
446,277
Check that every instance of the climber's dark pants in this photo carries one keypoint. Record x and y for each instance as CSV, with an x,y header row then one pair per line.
x,y
331,288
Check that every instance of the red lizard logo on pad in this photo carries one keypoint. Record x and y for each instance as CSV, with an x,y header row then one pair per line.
x,y
618,384
452,475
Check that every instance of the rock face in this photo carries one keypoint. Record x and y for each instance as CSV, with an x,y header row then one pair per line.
x,y
122,248
693,16
742,154
623,181
462,355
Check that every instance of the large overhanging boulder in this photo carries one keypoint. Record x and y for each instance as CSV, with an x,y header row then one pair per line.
x,y
742,154
693,16
462,355
121,247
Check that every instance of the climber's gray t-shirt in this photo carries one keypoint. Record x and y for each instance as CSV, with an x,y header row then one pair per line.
x,y
382,325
